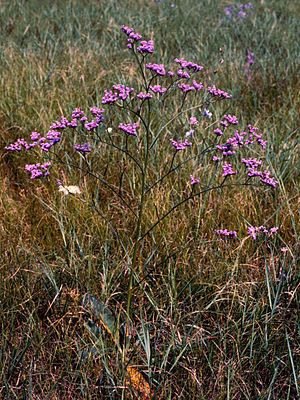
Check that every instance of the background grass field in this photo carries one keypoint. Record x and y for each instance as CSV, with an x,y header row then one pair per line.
x,y
208,319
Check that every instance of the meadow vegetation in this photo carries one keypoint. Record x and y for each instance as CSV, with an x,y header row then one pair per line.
x,y
97,303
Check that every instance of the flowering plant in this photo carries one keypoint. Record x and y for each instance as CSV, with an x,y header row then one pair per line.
x,y
168,111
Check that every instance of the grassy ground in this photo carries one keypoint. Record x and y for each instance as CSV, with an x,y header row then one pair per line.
x,y
205,319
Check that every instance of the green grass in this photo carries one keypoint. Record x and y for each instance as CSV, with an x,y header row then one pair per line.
x,y
205,319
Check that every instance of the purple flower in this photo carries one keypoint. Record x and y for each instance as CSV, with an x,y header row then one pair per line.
x,y
77,113
89,126
126,29
250,58
251,162
109,97
53,136
229,10
158,89
193,121
218,132
61,124
97,111
227,233
198,86
226,149
228,170
255,231
73,123
188,64
38,170
268,180
194,181
180,145
35,136
241,14
82,148
231,119
158,68
189,133
123,91
183,74
146,47
185,88
119,92
129,129
134,36
144,96
273,231
206,113
218,92
19,145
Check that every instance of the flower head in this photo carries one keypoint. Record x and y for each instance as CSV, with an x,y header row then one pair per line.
x,y
83,148
129,129
38,170
194,181
158,68
158,89
228,170
193,121
206,113
180,145
227,233
146,47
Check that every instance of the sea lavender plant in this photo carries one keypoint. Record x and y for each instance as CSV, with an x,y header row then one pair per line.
x,y
152,124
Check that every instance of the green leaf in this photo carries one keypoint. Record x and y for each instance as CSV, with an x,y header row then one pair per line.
x,y
103,314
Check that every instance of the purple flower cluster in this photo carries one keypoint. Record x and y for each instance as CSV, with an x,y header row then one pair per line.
x,y
21,144
132,36
218,92
183,74
255,135
188,65
268,180
237,11
143,46
144,96
225,123
253,231
38,170
158,89
194,181
159,69
250,58
83,148
119,92
229,120
77,113
228,170
227,233
185,87
193,121
238,139
146,47
256,231
78,117
189,133
129,129
180,145
53,136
